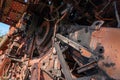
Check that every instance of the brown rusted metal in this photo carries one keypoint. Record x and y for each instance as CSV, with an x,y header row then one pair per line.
x,y
12,11
45,67
4,66
43,33
27,52
108,38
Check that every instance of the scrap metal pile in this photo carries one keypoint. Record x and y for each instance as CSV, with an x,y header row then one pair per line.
x,y
63,40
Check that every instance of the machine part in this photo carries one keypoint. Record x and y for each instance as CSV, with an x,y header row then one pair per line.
x,y
89,52
81,35
108,38
65,68
85,78
87,67
85,52
44,35
46,68
96,25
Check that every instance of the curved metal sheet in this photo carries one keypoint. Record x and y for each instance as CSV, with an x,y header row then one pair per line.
x,y
110,40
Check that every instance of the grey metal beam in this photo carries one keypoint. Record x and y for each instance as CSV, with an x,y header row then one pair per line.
x,y
86,52
65,68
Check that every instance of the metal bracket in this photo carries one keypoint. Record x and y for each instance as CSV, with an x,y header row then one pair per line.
x,y
96,25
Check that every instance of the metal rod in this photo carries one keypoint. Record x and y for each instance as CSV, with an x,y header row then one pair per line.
x,y
65,68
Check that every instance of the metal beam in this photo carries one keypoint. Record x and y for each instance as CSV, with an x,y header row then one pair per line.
x,y
65,68
85,52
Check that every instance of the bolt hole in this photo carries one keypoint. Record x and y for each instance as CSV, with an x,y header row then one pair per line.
x,y
43,63
101,50
79,41
98,23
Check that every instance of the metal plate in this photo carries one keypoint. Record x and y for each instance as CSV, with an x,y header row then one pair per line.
x,y
19,7
110,40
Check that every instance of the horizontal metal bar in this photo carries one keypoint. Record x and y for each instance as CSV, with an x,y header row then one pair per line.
x,y
85,52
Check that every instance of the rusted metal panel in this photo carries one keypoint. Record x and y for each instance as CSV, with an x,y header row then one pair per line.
x,y
13,11
110,40
86,52
14,16
19,7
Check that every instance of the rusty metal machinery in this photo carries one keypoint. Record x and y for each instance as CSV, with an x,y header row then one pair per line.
x,y
61,40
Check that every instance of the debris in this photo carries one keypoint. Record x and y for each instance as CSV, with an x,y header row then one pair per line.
x,y
60,40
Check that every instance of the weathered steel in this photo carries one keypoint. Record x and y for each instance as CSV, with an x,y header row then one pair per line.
x,y
77,52
110,40
87,67
3,42
65,68
85,52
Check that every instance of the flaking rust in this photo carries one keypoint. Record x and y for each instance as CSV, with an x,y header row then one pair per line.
x,y
60,40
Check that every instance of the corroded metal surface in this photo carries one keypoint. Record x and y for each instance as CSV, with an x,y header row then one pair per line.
x,y
109,39
53,40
